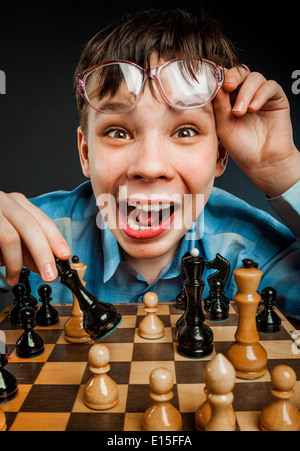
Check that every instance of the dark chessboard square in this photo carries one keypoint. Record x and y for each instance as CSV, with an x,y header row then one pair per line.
x,y
49,335
95,421
188,421
138,398
119,372
120,335
63,309
70,353
127,309
221,346
152,351
231,321
251,395
25,373
50,398
190,374
280,335
293,363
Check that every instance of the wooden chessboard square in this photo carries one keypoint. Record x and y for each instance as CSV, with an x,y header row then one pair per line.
x,y
120,335
248,421
79,405
223,333
138,398
14,404
25,373
120,352
153,351
48,348
61,373
167,338
278,349
133,421
50,398
29,421
70,352
140,371
96,421
251,395
49,335
59,325
190,396
128,321
190,374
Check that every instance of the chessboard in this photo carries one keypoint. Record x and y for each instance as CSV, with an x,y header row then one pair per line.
x,y
50,386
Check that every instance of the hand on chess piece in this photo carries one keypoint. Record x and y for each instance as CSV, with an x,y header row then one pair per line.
x,y
101,392
151,327
162,415
30,344
281,414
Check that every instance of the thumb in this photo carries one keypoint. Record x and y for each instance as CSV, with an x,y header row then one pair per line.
x,y
225,119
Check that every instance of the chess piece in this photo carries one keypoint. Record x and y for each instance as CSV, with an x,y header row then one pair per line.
x,y
46,315
30,344
99,318
162,415
223,269
247,355
19,302
151,327
101,392
195,338
30,300
180,303
73,328
3,425
219,377
281,414
8,382
267,320
216,305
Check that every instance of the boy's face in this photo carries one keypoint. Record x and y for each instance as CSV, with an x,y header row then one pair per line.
x,y
153,153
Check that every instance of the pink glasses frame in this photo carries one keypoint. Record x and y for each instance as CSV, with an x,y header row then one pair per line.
x,y
153,73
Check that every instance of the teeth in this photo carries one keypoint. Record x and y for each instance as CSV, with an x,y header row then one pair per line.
x,y
134,226
150,206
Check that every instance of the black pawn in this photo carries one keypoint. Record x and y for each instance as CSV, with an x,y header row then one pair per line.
x,y
195,338
216,306
46,315
19,303
30,300
30,344
267,320
8,382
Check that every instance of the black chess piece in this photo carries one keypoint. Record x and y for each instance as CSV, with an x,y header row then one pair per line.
x,y
19,291
47,315
99,318
8,382
267,320
30,300
180,303
216,305
222,265
195,338
30,344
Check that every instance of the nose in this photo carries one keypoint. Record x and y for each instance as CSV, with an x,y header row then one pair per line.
x,y
151,161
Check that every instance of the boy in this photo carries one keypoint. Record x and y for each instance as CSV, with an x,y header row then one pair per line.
x,y
152,142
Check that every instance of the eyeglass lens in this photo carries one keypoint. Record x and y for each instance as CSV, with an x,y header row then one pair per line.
x,y
115,88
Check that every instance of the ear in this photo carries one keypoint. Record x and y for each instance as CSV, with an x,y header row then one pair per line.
x,y
221,160
83,152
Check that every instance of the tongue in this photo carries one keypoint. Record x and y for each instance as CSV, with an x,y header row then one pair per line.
x,y
148,218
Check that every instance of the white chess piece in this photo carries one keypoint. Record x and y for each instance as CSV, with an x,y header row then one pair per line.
x,y
151,327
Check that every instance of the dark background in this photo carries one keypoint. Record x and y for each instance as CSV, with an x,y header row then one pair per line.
x,y
39,50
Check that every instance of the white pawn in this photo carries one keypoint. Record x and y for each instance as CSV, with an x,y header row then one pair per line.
x,y
219,377
162,415
100,392
281,414
151,327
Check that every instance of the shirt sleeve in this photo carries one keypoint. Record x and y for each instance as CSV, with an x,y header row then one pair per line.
x,y
287,206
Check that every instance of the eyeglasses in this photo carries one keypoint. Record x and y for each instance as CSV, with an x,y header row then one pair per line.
x,y
115,87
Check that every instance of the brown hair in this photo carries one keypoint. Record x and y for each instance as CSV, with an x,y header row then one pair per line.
x,y
170,33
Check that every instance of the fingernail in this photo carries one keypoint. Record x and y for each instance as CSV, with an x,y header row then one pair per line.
x,y
49,272
64,250
13,281
239,106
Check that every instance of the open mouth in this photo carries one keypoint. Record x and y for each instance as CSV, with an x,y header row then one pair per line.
x,y
146,219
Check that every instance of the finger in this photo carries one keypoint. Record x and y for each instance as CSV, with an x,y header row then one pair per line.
x,y
268,91
11,251
247,91
234,77
225,120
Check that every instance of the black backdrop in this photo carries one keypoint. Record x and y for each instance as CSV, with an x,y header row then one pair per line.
x,y
40,47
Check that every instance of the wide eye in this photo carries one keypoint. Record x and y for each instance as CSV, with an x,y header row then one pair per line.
x,y
117,133
185,132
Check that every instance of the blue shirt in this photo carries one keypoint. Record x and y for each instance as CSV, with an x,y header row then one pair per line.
x,y
228,226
